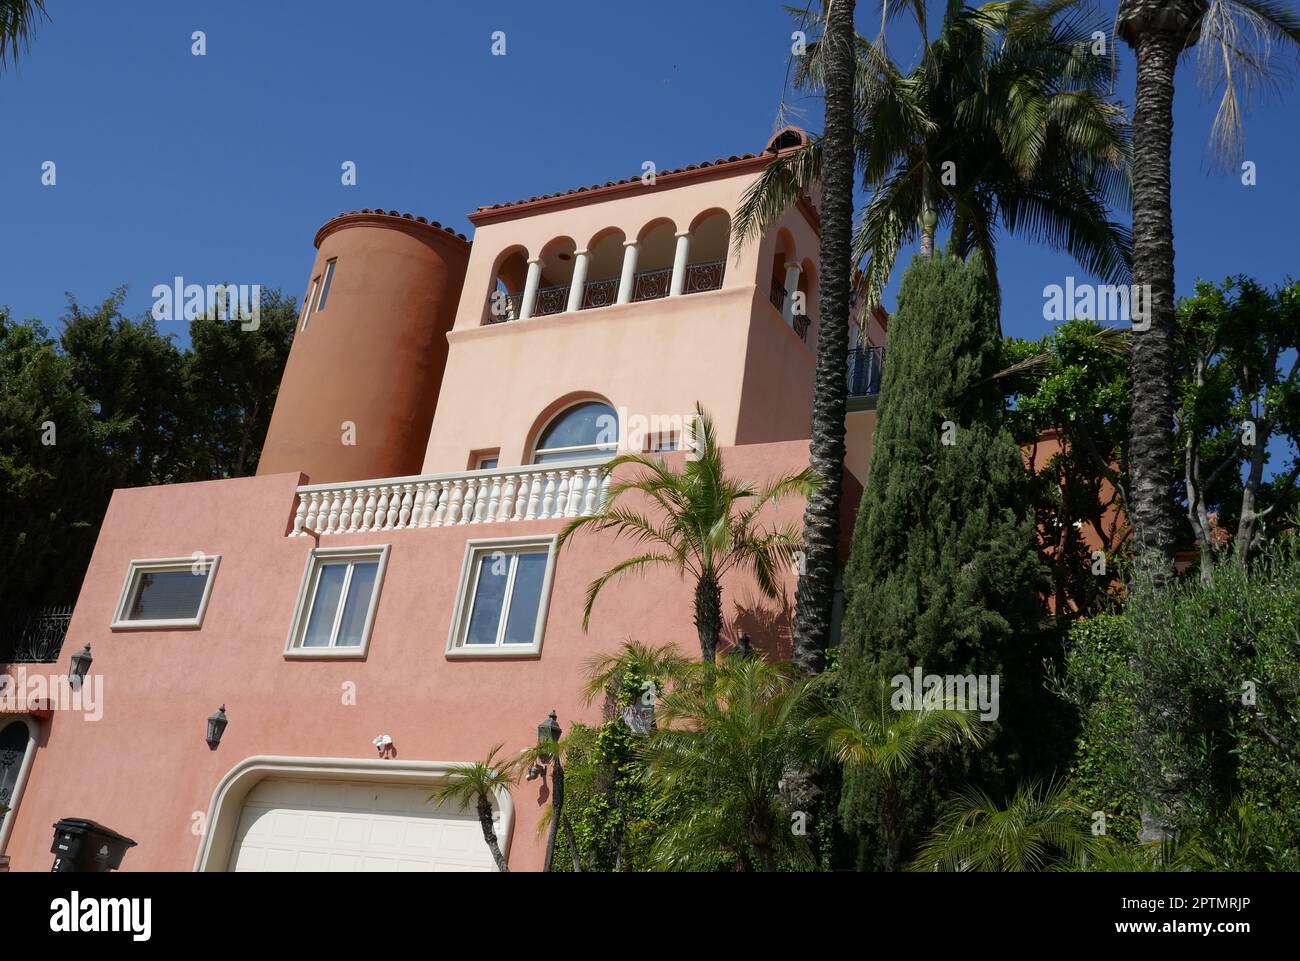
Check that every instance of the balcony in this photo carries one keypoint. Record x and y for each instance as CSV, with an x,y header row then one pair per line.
x,y
800,323
34,637
511,494
646,285
866,366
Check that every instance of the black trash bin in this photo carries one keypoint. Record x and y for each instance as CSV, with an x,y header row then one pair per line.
x,y
88,846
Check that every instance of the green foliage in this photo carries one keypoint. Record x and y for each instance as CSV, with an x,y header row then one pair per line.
x,y
942,572
702,524
123,407
1073,387
1224,659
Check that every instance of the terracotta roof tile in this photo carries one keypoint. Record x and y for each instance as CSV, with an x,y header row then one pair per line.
x,y
614,183
401,215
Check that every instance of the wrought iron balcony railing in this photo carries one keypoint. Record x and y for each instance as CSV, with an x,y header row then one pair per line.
x,y
777,295
34,637
599,293
866,366
646,285
703,276
652,284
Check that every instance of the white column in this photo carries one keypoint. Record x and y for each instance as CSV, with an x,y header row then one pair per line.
x,y
679,263
628,280
580,262
791,288
530,288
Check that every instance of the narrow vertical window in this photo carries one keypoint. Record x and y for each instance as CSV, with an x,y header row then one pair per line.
x,y
325,285
306,306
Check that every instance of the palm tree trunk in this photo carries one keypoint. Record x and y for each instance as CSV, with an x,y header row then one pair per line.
x,y
557,816
1150,502
708,616
816,592
893,828
1150,506
489,835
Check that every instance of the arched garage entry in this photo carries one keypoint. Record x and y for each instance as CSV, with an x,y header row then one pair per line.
x,y
343,814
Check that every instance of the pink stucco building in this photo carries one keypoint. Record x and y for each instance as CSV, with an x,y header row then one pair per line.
x,y
391,571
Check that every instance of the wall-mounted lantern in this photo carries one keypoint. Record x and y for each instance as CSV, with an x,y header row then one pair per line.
x,y
216,726
80,666
548,733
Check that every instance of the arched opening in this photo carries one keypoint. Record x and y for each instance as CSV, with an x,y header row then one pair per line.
x,y
805,320
783,254
581,431
710,235
604,268
557,277
506,296
18,738
654,273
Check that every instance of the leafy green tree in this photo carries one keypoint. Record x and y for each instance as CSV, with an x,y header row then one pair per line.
x,y
1236,47
727,737
1072,387
703,524
478,784
942,573
1041,828
878,735
1238,351
231,379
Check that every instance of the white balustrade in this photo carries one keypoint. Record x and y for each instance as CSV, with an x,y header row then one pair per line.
x,y
509,494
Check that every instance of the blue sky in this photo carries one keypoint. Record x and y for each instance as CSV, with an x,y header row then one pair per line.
x,y
221,167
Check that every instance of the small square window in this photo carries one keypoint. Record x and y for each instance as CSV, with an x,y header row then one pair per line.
x,y
336,603
501,604
325,285
165,593
487,462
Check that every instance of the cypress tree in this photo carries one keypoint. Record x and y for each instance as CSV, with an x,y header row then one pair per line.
x,y
942,571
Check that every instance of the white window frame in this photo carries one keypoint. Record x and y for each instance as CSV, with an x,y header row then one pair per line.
x,y
325,279
468,587
163,564
306,309
494,455
318,558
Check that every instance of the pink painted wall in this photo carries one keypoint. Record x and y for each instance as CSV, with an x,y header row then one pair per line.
x,y
144,768
655,357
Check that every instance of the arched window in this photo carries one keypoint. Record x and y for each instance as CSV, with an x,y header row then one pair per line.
x,y
17,744
580,432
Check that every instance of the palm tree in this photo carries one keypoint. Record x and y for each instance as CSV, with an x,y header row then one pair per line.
x,y
1004,121
815,595
1236,44
18,20
889,741
1237,36
1041,828
479,783
728,736
705,526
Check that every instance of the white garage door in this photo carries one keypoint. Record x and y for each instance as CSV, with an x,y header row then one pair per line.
x,y
334,825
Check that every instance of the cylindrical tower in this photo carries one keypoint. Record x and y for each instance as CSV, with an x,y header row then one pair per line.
x,y
358,393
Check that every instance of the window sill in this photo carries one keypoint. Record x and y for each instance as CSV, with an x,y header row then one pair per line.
x,y
515,652
187,624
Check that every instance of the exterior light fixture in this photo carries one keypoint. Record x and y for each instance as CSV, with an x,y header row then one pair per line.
x,y
548,732
80,666
216,726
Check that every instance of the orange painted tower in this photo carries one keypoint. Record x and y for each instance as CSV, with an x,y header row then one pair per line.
x,y
361,383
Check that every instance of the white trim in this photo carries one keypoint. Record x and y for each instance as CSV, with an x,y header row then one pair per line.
x,y
120,621
24,769
456,648
228,796
307,595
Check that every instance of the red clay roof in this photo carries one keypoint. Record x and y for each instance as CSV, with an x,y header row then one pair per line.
x,y
723,161
377,212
